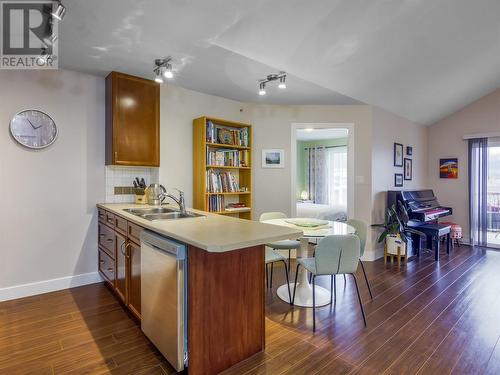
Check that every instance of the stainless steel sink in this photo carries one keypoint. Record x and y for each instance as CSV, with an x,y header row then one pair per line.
x,y
160,213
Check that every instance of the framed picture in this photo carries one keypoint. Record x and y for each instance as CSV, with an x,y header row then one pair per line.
x,y
409,150
398,155
408,169
448,168
398,179
273,158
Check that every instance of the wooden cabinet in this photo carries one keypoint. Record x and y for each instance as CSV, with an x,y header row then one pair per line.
x,y
134,302
121,267
120,258
132,121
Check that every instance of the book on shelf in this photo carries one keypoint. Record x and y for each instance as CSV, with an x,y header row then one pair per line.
x,y
228,158
226,135
236,207
221,182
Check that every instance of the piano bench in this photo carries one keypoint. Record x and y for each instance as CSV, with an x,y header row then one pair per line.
x,y
434,233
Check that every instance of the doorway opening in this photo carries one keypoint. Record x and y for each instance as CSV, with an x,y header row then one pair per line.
x,y
322,171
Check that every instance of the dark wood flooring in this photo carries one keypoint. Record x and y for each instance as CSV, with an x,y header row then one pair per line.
x,y
429,318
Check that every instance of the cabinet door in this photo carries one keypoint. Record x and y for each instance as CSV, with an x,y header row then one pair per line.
x,y
134,301
121,267
135,121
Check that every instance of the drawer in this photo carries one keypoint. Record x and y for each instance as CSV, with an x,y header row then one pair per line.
x,y
110,218
107,266
121,225
101,215
134,232
107,239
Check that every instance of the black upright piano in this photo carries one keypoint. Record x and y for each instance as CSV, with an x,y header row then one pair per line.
x,y
424,212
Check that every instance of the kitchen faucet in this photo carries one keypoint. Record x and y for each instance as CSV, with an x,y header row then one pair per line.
x,y
179,201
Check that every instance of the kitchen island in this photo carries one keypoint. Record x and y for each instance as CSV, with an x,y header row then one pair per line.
x,y
225,279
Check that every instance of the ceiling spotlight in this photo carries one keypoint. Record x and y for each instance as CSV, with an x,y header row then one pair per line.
x,y
168,71
281,76
308,130
262,89
163,68
43,58
60,11
159,75
282,84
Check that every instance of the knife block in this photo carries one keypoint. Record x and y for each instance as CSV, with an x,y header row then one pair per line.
x,y
142,198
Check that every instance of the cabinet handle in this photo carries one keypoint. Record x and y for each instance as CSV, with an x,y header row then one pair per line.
x,y
110,270
101,261
102,235
122,250
127,252
109,240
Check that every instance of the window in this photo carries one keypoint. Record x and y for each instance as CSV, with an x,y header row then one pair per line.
x,y
493,192
336,171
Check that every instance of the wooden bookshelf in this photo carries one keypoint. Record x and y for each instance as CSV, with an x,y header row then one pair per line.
x,y
200,167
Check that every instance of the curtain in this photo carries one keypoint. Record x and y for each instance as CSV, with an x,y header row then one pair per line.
x,y
336,163
478,189
326,174
316,175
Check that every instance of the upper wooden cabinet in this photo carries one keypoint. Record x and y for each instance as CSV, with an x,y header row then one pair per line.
x,y
132,121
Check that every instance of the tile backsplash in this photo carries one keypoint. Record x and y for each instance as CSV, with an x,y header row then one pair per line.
x,y
123,176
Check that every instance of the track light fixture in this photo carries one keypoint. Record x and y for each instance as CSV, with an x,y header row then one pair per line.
x,y
281,76
60,11
163,69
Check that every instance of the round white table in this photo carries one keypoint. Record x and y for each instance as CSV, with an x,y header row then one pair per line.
x,y
303,294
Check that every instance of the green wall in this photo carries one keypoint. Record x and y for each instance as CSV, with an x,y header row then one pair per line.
x,y
301,158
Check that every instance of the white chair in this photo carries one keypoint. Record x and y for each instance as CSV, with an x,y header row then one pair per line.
x,y
280,245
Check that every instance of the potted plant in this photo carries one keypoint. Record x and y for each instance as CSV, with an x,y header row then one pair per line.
x,y
396,233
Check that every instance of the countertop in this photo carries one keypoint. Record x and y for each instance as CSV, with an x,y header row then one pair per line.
x,y
211,232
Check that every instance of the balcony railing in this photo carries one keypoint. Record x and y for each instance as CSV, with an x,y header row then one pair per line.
x,y
493,212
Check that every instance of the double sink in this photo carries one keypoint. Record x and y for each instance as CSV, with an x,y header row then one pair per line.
x,y
160,213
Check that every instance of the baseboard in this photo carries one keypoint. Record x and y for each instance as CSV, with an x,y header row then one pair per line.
x,y
46,286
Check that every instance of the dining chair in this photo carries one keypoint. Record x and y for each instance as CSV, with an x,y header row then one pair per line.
x,y
280,245
272,257
361,232
335,255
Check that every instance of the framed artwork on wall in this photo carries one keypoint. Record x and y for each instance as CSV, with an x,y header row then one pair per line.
x,y
273,158
398,179
398,155
409,150
408,172
448,168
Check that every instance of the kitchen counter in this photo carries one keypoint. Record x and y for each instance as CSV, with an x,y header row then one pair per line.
x,y
211,232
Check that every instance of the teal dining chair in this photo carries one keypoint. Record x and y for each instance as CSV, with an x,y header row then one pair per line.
x,y
280,245
335,255
361,231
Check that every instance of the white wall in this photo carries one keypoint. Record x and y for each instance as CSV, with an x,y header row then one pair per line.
x,y
179,107
48,222
445,141
388,129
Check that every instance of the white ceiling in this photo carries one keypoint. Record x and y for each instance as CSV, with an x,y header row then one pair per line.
x,y
312,134
419,59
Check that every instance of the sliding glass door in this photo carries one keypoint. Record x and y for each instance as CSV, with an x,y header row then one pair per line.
x,y
493,193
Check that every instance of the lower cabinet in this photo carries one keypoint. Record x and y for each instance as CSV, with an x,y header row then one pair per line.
x,y
120,258
134,301
121,267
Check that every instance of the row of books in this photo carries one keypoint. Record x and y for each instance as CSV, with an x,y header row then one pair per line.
x,y
230,136
228,158
215,203
221,182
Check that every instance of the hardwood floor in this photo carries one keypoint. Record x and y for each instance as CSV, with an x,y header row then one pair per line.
x,y
431,318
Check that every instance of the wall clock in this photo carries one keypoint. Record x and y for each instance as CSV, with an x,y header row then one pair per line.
x,y
33,129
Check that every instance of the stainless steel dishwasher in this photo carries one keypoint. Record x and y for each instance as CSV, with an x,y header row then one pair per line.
x,y
163,296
